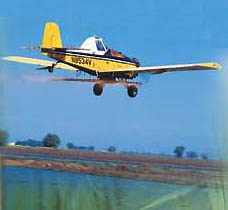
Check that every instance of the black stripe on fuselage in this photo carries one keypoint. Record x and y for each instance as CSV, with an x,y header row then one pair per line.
x,y
104,75
104,57
80,68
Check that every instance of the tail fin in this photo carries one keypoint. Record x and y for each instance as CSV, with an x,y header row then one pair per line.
x,y
52,36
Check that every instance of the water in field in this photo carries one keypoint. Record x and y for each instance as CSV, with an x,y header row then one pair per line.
x,y
26,189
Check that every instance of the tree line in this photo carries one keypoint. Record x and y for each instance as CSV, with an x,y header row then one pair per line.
x,y
179,153
52,140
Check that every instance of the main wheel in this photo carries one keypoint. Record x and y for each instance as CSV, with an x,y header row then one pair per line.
x,y
97,89
132,91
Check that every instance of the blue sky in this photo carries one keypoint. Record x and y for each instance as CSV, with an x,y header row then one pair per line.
x,y
171,109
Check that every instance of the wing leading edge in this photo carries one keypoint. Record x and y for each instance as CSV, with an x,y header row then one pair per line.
x,y
170,68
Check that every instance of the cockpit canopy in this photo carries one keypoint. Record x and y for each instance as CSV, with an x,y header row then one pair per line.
x,y
95,45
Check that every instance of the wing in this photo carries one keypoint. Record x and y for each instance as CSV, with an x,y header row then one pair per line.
x,y
37,62
170,68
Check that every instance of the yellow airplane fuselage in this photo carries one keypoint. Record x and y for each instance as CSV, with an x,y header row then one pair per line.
x,y
93,64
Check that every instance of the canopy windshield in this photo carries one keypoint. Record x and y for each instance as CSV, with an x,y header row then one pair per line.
x,y
100,45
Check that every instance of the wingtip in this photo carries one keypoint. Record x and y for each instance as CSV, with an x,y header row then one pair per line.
x,y
214,66
4,58
218,66
7,58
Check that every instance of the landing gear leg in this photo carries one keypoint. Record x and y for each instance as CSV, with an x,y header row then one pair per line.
x,y
51,68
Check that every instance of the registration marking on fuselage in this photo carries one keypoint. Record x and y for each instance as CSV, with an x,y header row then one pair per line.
x,y
81,60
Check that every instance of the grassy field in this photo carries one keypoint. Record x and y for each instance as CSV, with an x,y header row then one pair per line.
x,y
27,188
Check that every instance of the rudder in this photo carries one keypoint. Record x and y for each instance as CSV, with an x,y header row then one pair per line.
x,y
51,36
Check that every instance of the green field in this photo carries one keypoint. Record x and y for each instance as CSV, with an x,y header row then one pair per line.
x,y
47,189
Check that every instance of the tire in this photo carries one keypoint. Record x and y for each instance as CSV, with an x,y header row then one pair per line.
x,y
97,89
50,69
132,91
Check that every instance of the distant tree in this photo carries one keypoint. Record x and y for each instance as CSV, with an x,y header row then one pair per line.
x,y
70,145
30,142
82,148
21,143
3,137
192,154
112,149
179,151
51,140
204,156
91,148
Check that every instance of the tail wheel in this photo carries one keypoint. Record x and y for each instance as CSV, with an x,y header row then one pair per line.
x,y
50,69
132,91
97,89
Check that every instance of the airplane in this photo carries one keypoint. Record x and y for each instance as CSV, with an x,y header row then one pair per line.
x,y
95,58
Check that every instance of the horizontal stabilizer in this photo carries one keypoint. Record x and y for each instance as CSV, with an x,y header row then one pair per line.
x,y
31,47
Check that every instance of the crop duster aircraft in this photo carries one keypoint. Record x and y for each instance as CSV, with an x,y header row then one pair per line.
x,y
95,58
